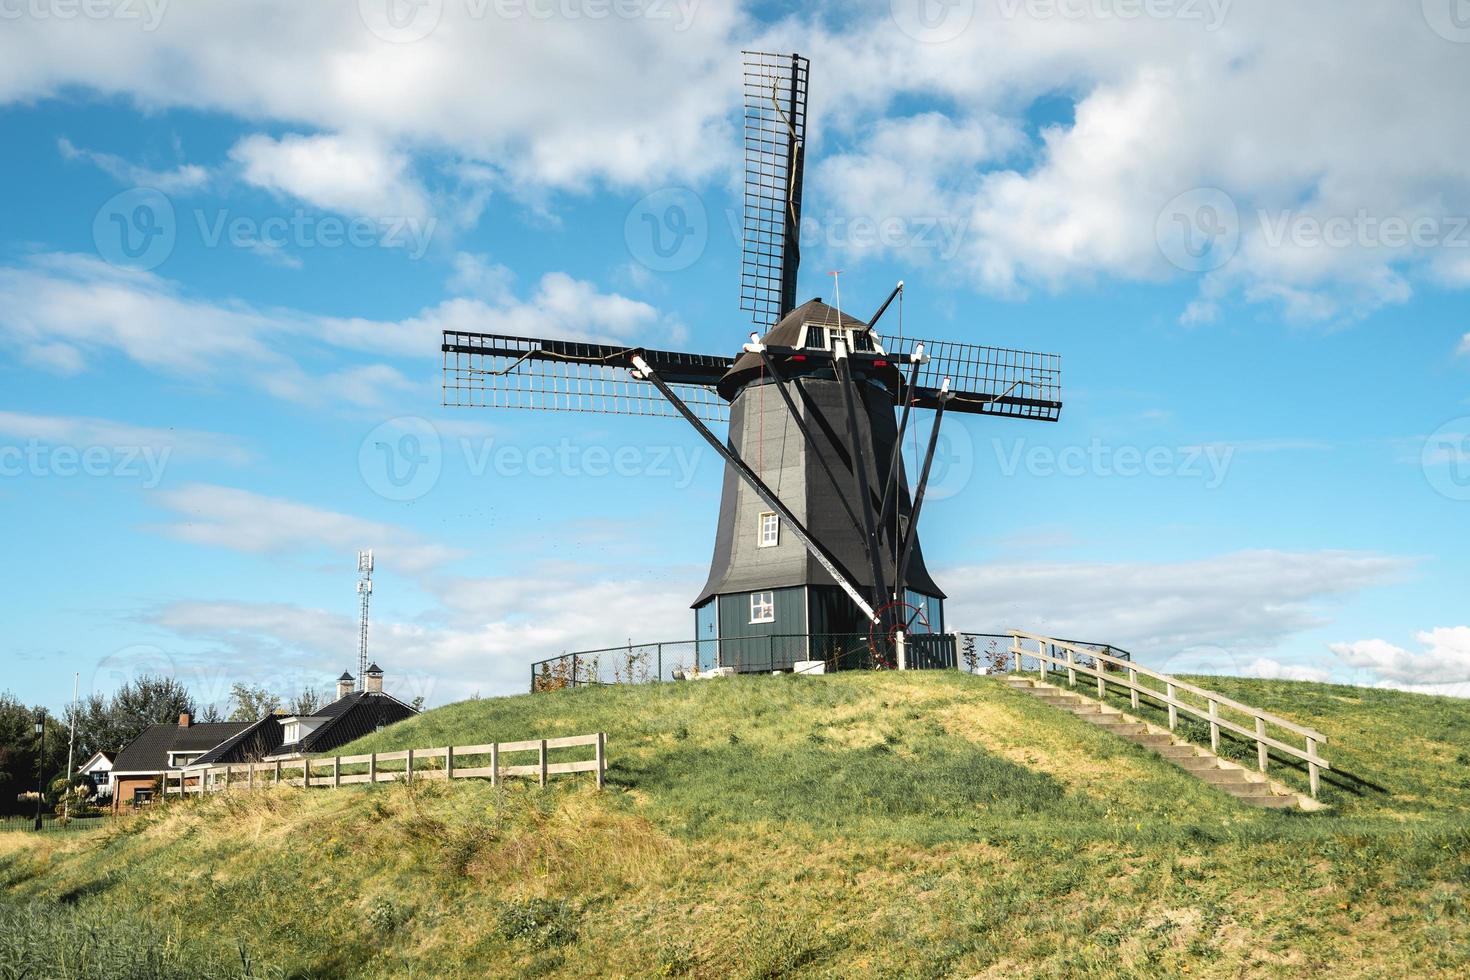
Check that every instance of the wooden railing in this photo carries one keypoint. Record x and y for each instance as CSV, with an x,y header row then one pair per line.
x,y
452,762
1252,724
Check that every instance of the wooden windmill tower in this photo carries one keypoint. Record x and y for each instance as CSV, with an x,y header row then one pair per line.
x,y
818,533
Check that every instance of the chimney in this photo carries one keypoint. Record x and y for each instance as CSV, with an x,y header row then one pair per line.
x,y
184,719
373,679
344,685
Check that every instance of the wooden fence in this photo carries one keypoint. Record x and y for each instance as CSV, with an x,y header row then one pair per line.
x,y
1268,731
452,762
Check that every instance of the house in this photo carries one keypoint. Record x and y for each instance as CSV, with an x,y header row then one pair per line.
x,y
280,736
159,749
97,771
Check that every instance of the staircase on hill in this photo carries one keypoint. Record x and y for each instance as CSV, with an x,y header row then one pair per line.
x,y
1059,659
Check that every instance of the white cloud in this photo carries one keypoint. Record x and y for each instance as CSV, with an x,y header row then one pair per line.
x,y
1208,615
64,311
357,176
240,520
185,177
1444,661
551,102
1275,670
78,431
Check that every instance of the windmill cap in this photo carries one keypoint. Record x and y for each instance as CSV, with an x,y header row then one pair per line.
x,y
786,333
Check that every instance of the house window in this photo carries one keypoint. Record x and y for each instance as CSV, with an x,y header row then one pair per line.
x,y
816,337
862,341
769,533
763,607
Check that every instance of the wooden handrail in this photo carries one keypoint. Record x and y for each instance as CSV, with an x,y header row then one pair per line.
x,y
1181,685
1167,697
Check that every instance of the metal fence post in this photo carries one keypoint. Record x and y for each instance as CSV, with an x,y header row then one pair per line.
x,y
576,663
660,675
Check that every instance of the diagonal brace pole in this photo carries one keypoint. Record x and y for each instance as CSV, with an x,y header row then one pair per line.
x,y
824,557
912,534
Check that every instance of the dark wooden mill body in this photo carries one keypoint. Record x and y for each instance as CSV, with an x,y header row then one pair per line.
x,y
817,538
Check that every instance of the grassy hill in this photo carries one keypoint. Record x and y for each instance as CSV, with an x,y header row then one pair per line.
x,y
904,825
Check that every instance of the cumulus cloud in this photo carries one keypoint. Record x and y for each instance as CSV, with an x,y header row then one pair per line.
x,y
1441,666
355,176
240,520
1209,615
64,311
184,177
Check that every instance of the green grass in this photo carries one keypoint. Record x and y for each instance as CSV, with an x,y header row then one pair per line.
x,y
915,825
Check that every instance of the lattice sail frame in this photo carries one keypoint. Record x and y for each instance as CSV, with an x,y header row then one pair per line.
x,y
495,371
775,143
988,380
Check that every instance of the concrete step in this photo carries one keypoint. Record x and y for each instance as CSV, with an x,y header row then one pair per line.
x,y
1221,777
1152,741
1175,753
1197,764
1272,802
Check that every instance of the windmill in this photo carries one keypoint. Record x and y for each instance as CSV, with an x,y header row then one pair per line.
x,y
817,532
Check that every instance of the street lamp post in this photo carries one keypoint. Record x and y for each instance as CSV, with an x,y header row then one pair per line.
x,y
40,763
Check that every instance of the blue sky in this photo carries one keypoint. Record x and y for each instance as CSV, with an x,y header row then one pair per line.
x,y
1245,238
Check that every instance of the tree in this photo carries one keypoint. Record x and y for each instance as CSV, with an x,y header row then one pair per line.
x,y
251,703
111,723
306,702
18,752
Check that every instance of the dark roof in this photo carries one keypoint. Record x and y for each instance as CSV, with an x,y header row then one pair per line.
x,y
374,669
348,718
345,676
255,742
149,751
786,333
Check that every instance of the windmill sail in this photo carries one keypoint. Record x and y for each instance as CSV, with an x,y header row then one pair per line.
x,y
775,150
483,370
985,380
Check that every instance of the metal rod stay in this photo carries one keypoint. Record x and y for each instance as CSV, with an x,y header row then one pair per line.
x,y
873,320
889,492
912,534
860,472
821,554
807,433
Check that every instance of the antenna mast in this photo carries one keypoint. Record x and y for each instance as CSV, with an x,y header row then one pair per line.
x,y
365,593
